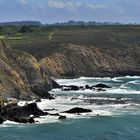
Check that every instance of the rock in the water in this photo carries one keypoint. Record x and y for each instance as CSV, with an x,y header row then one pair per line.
x,y
78,110
100,89
51,97
56,114
24,120
102,86
54,84
38,100
62,117
9,106
1,120
31,120
69,88
22,114
41,91
87,87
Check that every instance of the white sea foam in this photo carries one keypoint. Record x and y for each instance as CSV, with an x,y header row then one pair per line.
x,y
46,119
66,100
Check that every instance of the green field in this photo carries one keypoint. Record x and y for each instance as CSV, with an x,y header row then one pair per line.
x,y
41,41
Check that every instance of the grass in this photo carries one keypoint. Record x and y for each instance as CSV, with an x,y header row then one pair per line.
x,y
45,40
14,38
2,37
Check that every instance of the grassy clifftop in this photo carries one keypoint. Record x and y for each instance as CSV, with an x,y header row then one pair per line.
x,y
82,51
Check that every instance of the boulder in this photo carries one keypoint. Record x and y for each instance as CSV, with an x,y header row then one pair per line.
x,y
31,120
38,100
101,86
56,114
87,87
41,91
62,117
100,89
54,84
22,114
24,120
1,120
78,110
69,88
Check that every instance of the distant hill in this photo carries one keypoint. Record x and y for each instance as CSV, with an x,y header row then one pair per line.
x,y
83,23
21,23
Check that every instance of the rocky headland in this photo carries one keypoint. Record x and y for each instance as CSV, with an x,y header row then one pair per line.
x,y
72,61
21,76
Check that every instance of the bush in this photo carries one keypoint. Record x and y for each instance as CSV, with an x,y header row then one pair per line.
x,y
25,29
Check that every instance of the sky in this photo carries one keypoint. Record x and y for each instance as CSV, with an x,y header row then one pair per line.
x,y
52,11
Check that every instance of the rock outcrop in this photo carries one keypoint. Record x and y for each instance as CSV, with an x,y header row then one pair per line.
x,y
78,110
77,60
21,76
20,114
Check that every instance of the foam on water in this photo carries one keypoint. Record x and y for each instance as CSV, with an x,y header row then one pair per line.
x,y
65,100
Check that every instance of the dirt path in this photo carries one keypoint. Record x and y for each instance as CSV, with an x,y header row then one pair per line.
x,y
52,34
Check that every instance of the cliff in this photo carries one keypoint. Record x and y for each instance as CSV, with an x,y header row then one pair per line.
x,y
21,76
77,60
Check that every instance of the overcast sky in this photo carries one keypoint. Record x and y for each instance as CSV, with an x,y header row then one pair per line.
x,y
51,11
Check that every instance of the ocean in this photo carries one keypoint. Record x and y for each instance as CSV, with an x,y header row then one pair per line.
x,y
107,121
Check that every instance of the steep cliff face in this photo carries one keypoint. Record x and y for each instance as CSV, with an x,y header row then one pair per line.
x,y
75,61
21,76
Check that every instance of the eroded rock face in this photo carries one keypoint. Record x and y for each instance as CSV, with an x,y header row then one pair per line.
x,y
76,60
20,73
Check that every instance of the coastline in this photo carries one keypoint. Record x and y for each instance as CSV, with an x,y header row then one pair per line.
x,y
119,95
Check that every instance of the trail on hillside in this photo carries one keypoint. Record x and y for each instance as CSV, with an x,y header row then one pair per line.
x,y
52,34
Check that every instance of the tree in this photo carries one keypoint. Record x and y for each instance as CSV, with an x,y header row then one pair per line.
x,y
25,29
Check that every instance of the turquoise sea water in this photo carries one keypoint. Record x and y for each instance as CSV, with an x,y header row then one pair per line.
x,y
115,122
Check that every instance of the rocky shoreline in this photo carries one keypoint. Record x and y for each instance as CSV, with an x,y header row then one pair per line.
x,y
27,113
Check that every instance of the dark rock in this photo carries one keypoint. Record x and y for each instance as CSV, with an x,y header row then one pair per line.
x,y
69,88
87,87
78,110
100,89
102,86
62,117
38,100
119,98
51,97
54,84
23,120
81,87
22,114
57,114
41,91
1,120
9,106
31,120
50,109
19,120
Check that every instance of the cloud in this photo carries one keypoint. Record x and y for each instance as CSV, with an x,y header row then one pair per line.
x,y
23,2
71,5
96,6
56,4
64,5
